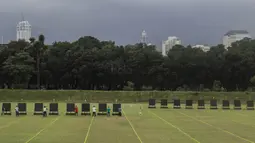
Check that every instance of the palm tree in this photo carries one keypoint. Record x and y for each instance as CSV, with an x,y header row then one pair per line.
x,y
37,48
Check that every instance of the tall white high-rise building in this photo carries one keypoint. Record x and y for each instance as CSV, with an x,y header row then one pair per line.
x,y
24,31
169,43
234,36
144,37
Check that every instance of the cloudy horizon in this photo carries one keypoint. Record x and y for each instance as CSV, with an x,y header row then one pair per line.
x,y
193,21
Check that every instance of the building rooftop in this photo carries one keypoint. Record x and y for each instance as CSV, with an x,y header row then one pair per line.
x,y
23,23
172,38
234,32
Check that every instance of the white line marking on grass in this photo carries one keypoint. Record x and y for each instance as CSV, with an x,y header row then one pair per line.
x,y
42,130
240,114
87,135
11,123
138,137
217,128
8,125
186,134
243,123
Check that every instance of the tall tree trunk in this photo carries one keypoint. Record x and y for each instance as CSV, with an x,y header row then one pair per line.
x,y
38,70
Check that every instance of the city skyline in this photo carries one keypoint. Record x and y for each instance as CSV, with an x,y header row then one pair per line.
x,y
198,22
23,32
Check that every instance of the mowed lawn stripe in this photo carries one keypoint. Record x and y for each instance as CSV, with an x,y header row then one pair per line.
x,y
237,122
11,123
225,131
229,120
244,114
30,139
138,137
87,135
240,114
174,126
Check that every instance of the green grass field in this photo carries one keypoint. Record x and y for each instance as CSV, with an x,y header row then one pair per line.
x,y
153,126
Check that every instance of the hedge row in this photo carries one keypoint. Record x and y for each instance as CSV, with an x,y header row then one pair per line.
x,y
112,96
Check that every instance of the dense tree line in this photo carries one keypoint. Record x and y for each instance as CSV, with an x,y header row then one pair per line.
x,y
101,65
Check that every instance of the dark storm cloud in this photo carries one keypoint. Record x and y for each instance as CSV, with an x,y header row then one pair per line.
x,y
194,21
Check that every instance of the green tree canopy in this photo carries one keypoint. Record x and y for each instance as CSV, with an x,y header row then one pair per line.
x,y
90,64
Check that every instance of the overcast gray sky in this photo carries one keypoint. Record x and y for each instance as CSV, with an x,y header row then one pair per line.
x,y
194,21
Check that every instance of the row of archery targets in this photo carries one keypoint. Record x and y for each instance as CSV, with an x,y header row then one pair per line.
x,y
54,108
200,104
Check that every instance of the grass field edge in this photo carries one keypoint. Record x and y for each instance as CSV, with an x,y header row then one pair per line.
x,y
47,126
138,137
87,134
225,131
174,126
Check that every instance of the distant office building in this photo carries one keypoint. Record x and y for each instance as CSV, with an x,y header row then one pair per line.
x,y
205,48
233,36
23,31
144,37
169,43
